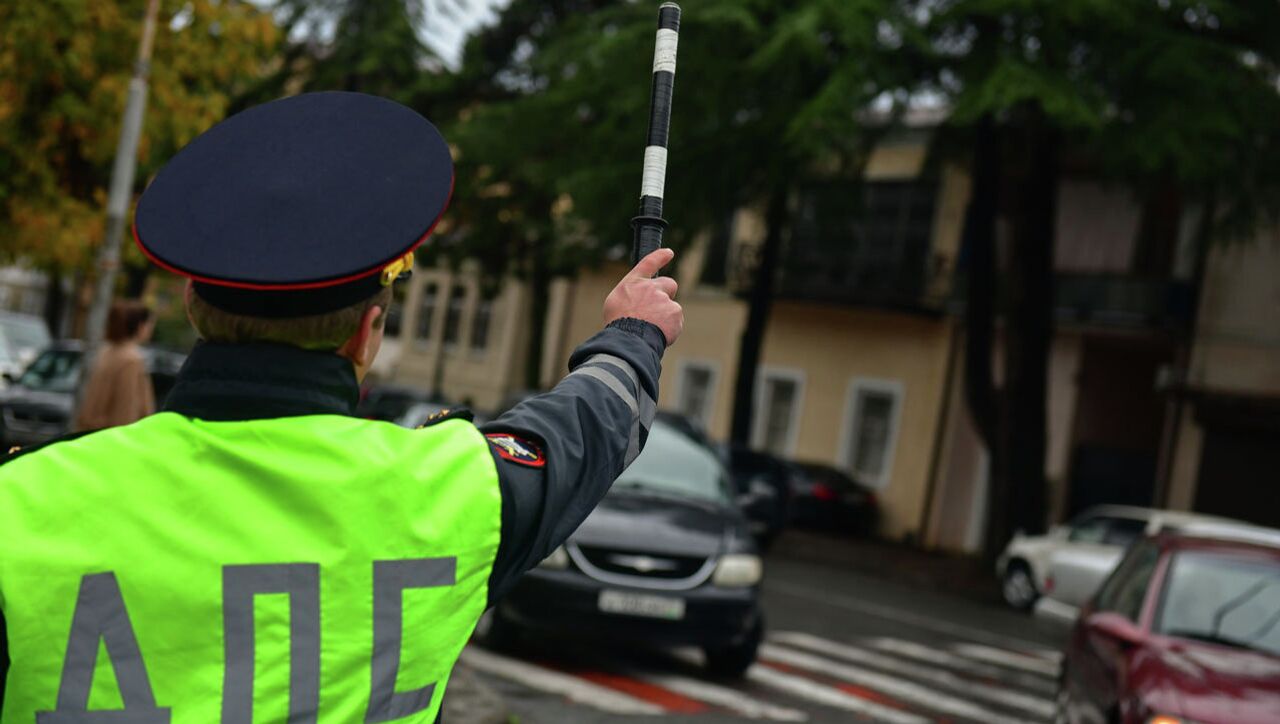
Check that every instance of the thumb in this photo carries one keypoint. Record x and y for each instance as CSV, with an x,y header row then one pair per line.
x,y
649,266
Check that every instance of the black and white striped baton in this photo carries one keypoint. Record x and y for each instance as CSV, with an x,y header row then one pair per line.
x,y
649,224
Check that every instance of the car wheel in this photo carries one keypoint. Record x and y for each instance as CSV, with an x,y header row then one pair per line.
x,y
495,632
1019,587
732,661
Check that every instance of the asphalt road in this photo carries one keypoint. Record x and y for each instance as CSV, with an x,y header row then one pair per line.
x,y
841,647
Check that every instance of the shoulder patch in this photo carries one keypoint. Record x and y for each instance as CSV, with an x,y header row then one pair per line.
x,y
516,449
449,413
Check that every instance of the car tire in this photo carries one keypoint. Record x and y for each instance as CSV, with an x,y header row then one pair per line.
x,y
496,633
732,661
1019,586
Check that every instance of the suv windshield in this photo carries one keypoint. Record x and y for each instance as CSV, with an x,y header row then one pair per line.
x,y
55,370
676,464
1231,599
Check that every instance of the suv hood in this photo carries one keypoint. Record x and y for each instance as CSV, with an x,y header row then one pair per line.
x,y
25,397
641,521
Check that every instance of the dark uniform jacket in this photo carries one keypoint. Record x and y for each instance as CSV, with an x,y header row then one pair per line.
x,y
586,430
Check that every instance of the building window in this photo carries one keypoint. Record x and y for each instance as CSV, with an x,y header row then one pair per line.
x,y
480,325
697,390
871,430
427,310
453,315
777,416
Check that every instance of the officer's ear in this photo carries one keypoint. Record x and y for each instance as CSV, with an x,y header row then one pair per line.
x,y
363,346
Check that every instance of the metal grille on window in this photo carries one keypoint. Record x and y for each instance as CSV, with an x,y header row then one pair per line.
x,y
427,310
695,393
871,433
453,315
780,401
480,325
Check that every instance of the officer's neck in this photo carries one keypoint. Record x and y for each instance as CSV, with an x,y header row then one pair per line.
x,y
263,380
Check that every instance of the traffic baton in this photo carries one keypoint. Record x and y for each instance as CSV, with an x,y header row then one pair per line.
x,y
649,225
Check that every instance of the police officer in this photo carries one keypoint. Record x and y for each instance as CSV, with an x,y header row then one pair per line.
x,y
254,552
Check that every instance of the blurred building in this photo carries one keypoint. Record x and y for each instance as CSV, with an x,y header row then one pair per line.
x,y
1149,402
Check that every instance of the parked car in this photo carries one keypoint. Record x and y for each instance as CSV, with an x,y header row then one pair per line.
x,y
22,336
1187,629
762,488
391,402
827,498
1077,571
665,559
37,407
1106,530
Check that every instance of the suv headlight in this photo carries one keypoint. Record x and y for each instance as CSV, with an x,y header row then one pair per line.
x,y
557,561
737,570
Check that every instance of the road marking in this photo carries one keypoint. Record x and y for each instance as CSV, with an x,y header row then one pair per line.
x,y
938,657
724,697
902,689
554,682
889,613
671,701
802,688
1009,659
1038,706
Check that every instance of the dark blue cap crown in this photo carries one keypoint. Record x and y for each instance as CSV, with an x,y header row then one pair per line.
x,y
297,206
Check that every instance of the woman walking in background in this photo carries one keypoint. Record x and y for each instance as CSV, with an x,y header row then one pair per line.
x,y
119,389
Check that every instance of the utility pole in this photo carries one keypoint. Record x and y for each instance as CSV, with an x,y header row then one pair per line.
x,y
121,186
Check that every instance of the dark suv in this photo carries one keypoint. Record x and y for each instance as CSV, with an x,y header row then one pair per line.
x,y
666,559
37,406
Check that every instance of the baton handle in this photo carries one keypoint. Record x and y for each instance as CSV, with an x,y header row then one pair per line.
x,y
649,224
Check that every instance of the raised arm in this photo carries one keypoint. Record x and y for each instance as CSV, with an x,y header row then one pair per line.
x,y
558,453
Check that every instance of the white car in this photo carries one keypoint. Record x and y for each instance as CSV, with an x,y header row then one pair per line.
x,y
1072,559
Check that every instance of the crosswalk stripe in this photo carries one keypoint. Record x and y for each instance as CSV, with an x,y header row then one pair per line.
x,y
554,682
726,698
1006,658
902,689
803,688
939,657
1031,704
671,701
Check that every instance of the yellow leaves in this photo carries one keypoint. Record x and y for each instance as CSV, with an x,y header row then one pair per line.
x,y
65,67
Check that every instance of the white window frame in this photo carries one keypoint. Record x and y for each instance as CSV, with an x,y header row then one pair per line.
x,y
794,374
711,366
848,448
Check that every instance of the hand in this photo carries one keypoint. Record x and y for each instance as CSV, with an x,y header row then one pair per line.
x,y
640,296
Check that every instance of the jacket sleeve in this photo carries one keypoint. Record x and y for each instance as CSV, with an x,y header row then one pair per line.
x,y
589,428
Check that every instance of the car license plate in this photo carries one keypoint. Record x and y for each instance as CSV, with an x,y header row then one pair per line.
x,y
638,604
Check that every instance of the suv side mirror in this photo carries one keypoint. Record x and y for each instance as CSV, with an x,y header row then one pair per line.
x,y
1115,628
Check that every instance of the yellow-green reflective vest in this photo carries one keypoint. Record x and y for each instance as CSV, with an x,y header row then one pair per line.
x,y
306,569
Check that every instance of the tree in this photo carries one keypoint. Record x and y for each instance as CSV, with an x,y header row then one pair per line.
x,y
1175,99
64,73
763,89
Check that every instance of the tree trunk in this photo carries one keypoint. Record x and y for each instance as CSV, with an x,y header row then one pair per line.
x,y
55,300
979,244
539,302
1019,473
759,303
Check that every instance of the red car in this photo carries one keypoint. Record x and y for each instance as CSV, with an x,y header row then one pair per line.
x,y
1186,629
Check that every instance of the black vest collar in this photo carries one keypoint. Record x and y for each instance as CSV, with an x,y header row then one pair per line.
x,y
225,382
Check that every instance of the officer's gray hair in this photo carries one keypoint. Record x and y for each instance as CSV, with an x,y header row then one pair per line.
x,y
318,331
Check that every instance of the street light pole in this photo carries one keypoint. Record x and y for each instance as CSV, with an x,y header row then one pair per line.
x,y
121,186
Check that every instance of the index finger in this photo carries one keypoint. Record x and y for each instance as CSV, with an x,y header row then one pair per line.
x,y
649,266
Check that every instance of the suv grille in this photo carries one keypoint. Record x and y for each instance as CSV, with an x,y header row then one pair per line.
x,y
646,570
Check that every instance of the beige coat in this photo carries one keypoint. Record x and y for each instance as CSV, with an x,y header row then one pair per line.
x,y
119,390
